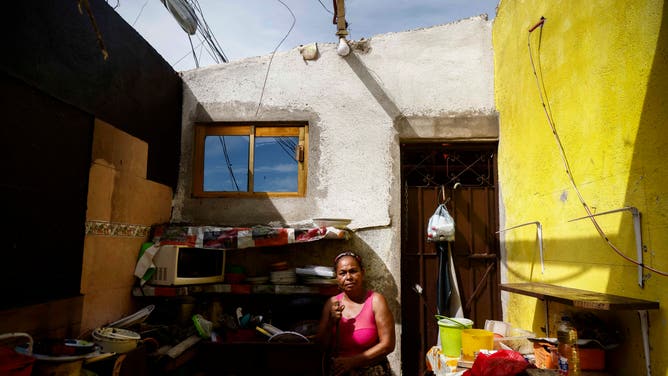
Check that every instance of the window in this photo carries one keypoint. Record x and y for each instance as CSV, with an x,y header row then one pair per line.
x,y
250,159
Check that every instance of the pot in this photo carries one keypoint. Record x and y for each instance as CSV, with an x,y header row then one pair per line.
x,y
115,339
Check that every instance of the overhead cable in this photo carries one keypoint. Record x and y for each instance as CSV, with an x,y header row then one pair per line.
x,y
264,84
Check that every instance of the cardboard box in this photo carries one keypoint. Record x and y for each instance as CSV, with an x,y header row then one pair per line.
x,y
546,355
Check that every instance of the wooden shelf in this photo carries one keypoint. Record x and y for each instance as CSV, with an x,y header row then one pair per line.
x,y
240,289
579,298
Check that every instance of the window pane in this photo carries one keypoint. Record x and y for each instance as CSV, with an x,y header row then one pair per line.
x,y
226,163
276,169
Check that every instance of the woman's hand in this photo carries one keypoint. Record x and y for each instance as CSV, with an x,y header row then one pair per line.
x,y
337,311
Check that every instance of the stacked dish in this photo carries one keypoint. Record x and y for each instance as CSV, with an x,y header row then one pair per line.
x,y
316,275
283,277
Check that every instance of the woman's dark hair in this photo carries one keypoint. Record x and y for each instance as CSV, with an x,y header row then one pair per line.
x,y
348,253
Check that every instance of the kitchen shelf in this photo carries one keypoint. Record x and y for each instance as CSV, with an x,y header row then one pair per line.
x,y
234,288
579,298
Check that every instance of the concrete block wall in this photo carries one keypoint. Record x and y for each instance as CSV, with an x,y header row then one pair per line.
x,y
122,205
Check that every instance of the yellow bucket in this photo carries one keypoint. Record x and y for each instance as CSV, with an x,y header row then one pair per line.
x,y
451,335
474,340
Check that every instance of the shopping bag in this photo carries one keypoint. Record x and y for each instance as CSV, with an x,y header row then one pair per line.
x,y
441,226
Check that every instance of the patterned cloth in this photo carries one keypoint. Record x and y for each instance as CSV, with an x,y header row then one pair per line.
x,y
240,237
380,369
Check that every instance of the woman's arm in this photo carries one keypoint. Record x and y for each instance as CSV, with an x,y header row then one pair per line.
x,y
328,320
385,325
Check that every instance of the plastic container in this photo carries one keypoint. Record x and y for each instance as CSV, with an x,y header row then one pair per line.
x,y
474,340
451,335
569,359
115,339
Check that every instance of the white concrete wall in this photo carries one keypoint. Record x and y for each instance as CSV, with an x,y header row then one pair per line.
x,y
427,84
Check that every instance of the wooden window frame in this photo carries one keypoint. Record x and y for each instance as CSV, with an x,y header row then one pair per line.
x,y
251,129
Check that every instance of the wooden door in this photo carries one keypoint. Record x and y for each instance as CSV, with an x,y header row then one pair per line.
x,y
463,177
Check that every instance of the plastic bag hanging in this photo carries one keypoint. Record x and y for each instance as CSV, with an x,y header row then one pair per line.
x,y
441,226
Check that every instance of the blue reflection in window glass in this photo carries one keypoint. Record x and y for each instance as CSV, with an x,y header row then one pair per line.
x,y
276,168
226,163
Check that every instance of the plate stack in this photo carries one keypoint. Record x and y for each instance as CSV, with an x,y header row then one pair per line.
x,y
317,275
283,277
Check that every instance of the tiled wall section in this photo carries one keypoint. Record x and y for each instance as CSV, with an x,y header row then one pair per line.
x,y
122,205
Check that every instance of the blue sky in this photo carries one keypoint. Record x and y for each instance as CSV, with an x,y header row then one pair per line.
x,y
246,28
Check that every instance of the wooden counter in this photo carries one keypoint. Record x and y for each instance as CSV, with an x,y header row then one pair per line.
x,y
588,300
579,298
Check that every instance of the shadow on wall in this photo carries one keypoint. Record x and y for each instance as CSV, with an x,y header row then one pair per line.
x,y
375,88
647,187
378,277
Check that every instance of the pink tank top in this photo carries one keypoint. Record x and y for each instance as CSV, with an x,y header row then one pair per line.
x,y
359,333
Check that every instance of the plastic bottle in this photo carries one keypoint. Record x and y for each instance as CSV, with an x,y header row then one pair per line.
x,y
569,359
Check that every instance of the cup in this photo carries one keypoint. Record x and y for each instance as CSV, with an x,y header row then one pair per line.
x,y
474,340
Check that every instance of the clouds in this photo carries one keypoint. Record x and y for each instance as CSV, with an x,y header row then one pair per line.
x,y
247,28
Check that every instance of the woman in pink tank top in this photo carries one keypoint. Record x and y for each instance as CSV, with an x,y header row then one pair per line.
x,y
357,326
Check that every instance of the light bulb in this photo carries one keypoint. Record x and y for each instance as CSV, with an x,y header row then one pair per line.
x,y
343,49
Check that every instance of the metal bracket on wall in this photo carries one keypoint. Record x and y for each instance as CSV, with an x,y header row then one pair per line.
x,y
644,328
638,236
539,233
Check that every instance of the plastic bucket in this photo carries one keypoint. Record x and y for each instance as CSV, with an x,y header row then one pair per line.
x,y
474,340
451,335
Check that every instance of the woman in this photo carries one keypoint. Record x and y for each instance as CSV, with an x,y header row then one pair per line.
x,y
357,326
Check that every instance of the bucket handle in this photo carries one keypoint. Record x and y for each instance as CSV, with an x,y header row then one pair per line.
x,y
459,324
8,336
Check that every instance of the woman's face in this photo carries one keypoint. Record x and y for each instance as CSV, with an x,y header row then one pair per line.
x,y
349,274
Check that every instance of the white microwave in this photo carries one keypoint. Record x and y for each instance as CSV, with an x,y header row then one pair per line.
x,y
178,265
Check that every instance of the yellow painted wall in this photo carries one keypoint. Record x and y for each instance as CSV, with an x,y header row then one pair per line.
x,y
604,68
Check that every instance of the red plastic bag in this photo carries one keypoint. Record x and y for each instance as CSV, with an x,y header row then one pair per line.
x,y
501,363
15,364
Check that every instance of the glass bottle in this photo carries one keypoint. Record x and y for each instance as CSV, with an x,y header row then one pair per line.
x,y
569,359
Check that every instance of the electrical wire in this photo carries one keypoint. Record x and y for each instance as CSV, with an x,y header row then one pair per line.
x,y
205,31
548,114
264,84
323,5
227,161
193,50
287,145
186,55
211,55
287,151
140,12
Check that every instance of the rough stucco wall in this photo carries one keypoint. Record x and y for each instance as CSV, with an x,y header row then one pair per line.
x,y
606,88
436,82
351,104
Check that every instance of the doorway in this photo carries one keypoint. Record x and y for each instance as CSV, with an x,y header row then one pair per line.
x,y
463,177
